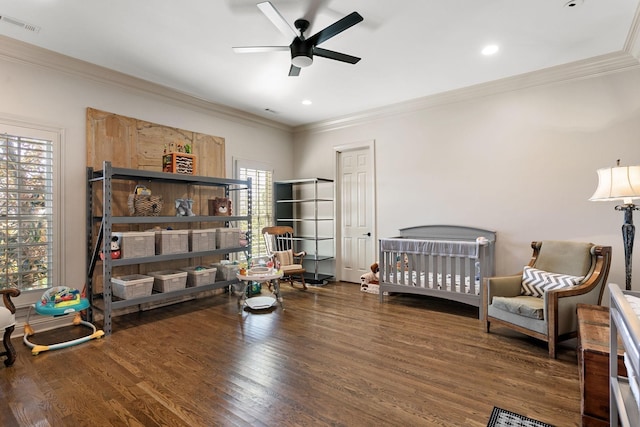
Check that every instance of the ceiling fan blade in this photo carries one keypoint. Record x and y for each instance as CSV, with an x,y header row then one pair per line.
x,y
259,49
317,51
336,28
274,16
314,7
294,71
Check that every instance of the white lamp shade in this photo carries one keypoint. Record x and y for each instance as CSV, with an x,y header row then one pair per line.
x,y
619,183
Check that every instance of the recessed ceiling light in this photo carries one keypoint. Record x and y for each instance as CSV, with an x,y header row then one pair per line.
x,y
491,49
306,102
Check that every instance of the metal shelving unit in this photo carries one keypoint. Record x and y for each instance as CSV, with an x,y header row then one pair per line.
x,y
306,205
100,241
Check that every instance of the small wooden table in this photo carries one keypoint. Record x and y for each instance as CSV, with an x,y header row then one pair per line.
x,y
593,363
273,276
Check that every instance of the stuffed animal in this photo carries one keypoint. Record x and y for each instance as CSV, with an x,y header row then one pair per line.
x,y
370,277
184,207
399,263
375,268
115,249
221,206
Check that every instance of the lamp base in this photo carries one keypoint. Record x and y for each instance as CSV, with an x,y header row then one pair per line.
x,y
628,234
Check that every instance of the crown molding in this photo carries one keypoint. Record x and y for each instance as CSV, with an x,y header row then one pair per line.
x,y
19,52
596,66
632,44
16,51
628,58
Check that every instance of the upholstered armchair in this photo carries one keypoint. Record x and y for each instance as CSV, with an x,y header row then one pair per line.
x,y
279,243
8,323
541,301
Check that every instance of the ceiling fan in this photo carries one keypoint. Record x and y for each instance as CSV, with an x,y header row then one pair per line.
x,y
303,49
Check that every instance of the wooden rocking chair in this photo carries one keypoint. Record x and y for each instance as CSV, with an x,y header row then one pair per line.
x,y
279,243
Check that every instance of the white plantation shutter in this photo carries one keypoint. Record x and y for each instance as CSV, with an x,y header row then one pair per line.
x,y
262,204
26,212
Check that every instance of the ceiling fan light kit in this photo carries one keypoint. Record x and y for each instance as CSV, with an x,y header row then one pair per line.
x,y
303,49
302,60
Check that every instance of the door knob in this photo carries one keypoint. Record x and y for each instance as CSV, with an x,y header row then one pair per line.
x,y
367,234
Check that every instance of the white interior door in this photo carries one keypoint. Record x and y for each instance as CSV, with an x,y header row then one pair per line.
x,y
356,186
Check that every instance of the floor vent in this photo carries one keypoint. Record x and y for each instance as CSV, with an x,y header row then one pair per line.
x,y
19,23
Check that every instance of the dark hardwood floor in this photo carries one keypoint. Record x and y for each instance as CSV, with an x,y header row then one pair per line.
x,y
334,357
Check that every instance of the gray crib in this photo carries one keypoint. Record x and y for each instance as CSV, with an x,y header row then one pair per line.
x,y
445,261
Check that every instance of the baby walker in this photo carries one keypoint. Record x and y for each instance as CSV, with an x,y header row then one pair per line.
x,y
60,301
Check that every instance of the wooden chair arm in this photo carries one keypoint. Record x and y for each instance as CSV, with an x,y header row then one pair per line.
x,y
561,303
300,255
595,281
6,298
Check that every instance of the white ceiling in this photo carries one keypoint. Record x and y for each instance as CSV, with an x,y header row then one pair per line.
x,y
409,48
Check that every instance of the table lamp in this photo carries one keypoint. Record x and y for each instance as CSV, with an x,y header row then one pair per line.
x,y
621,183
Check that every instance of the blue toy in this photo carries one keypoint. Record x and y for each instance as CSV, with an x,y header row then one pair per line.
x,y
60,301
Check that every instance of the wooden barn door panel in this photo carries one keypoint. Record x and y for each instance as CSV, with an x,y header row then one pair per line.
x,y
111,137
137,144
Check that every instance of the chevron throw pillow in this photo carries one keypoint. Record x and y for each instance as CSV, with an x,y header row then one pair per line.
x,y
536,282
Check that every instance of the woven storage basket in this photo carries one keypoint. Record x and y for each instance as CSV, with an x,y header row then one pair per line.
x,y
144,204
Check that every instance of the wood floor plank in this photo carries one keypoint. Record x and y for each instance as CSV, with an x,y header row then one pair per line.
x,y
335,357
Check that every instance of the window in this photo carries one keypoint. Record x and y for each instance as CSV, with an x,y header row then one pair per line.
x,y
261,204
27,226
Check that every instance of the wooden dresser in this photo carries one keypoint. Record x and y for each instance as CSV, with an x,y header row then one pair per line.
x,y
593,364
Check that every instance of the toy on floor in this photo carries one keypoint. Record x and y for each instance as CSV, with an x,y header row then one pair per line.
x,y
60,301
371,276
369,281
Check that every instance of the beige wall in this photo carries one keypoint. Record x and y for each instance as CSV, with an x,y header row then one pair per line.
x,y
522,163
58,96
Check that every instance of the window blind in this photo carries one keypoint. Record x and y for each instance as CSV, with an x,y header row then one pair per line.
x,y
261,205
26,212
